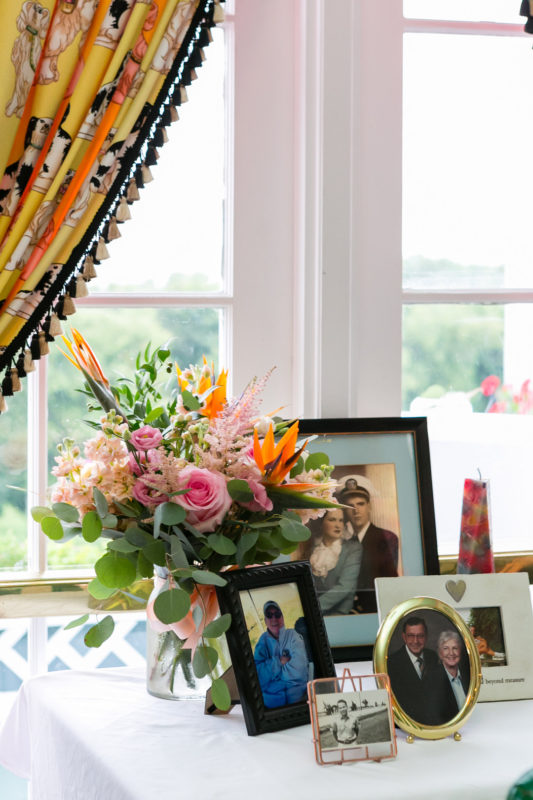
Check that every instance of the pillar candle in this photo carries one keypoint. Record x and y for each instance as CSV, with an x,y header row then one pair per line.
x,y
475,547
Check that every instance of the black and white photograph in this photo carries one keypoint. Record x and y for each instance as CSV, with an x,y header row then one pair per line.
x,y
352,719
349,548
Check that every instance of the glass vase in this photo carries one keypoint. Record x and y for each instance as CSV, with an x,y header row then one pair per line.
x,y
169,672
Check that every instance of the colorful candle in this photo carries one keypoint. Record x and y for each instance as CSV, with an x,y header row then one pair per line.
x,y
475,547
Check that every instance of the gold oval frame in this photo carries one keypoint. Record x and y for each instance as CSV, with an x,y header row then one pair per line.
x,y
385,632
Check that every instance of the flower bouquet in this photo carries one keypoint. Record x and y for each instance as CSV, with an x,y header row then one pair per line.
x,y
185,487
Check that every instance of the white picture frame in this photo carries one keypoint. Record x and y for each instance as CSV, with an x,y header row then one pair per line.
x,y
506,670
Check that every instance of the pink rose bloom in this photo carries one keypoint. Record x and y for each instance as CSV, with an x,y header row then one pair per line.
x,y
261,501
207,500
489,385
147,495
146,438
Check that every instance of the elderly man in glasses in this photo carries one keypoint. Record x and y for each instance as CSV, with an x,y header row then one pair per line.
x,y
281,660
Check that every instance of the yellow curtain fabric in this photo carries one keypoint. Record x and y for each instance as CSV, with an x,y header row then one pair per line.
x,y
88,88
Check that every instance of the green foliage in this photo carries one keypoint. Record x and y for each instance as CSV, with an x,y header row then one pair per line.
x,y
172,605
100,632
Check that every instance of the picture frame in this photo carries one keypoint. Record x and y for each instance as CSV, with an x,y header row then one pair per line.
x,y
394,453
352,719
275,618
433,698
498,607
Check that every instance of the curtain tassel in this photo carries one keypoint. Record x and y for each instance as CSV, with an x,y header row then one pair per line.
x,y
15,380
20,366
101,250
147,175
81,287
89,272
43,344
28,364
159,140
133,191
34,348
3,404
123,210
218,14
113,231
55,328
174,116
69,307
166,117
7,386
151,158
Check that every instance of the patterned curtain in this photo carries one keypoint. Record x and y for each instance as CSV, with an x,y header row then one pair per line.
x,y
88,87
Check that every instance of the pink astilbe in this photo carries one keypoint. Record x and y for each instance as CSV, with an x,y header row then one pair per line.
x,y
162,471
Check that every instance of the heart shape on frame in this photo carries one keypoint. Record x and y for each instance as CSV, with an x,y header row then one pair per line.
x,y
456,589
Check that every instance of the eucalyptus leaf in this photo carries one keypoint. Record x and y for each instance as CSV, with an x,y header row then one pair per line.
x,y
204,660
155,551
239,491
197,615
221,544
208,578
100,502
122,546
100,632
125,509
76,622
52,527
40,512
172,513
145,567
91,526
220,694
177,553
115,570
137,536
172,605
100,592
66,512
293,530
110,521
217,627
316,461
245,543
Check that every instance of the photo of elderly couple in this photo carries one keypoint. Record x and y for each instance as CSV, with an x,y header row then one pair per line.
x,y
280,643
352,546
428,667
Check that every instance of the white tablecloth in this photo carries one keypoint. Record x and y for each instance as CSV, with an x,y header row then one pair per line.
x,y
100,736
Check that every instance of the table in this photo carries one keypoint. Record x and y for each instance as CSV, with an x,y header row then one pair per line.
x,y
99,734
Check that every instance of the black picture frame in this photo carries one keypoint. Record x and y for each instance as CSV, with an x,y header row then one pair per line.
x,y
403,442
261,583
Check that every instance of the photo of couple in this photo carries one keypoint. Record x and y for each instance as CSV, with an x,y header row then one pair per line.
x,y
428,667
353,545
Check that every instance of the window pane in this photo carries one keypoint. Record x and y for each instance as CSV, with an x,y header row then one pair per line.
x,y
448,350
117,335
474,10
13,442
468,107
174,241
14,649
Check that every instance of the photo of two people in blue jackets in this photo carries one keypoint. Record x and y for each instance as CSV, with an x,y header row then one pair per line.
x,y
278,635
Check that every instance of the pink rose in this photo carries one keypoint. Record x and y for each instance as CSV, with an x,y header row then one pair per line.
x,y
146,438
261,501
147,495
489,385
207,500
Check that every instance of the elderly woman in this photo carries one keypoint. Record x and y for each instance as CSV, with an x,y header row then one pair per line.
x,y
448,685
335,562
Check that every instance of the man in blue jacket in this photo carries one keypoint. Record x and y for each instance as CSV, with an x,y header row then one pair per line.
x,y
281,660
